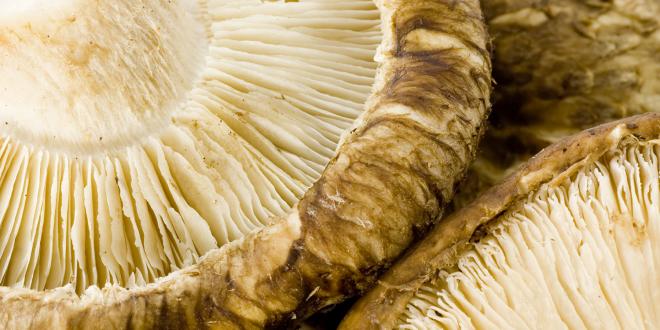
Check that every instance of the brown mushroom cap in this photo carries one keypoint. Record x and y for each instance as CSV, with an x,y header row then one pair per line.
x,y
384,306
389,180
562,66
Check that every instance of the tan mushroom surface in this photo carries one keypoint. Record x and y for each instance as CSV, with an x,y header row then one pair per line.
x,y
570,241
562,66
220,163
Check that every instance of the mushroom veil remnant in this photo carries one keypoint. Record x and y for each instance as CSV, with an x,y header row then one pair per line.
x,y
218,163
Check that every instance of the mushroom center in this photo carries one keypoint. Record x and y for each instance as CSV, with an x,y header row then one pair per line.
x,y
30,9
95,75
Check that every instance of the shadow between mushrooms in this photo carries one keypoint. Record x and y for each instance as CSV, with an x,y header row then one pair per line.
x,y
224,164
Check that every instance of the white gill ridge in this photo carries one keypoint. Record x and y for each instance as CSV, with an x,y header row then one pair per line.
x,y
282,82
583,255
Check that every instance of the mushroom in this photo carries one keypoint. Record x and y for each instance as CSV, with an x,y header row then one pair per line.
x,y
562,66
570,240
224,163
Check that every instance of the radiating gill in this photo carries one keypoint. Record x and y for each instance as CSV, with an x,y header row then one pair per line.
x,y
584,254
178,128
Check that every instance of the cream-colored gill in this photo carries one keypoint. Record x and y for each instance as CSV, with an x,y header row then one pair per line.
x,y
138,136
581,255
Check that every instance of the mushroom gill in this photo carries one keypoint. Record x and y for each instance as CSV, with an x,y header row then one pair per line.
x,y
580,253
138,136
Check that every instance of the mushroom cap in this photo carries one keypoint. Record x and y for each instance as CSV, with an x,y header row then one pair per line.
x,y
139,136
562,66
380,154
627,185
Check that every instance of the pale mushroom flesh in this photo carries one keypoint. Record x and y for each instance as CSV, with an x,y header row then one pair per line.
x,y
136,137
580,253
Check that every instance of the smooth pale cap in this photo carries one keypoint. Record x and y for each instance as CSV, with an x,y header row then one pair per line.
x,y
89,75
